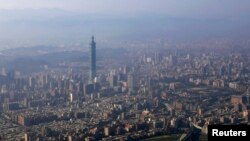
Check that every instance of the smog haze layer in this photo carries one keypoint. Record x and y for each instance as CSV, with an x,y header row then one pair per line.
x,y
26,23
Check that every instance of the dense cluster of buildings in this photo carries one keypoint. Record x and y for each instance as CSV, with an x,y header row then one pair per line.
x,y
157,92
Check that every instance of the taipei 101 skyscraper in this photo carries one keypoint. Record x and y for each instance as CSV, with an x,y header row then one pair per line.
x,y
92,74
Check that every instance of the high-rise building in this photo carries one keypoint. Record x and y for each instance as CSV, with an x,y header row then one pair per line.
x,y
71,98
113,80
130,82
26,137
92,74
106,131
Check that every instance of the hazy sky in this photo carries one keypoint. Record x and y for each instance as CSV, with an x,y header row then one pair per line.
x,y
183,8
31,22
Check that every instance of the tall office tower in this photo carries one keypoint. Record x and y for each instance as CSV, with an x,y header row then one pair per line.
x,y
113,80
130,82
92,74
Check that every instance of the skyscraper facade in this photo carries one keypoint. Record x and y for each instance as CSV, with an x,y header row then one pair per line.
x,y
130,83
92,74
